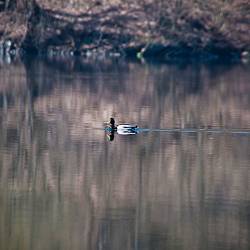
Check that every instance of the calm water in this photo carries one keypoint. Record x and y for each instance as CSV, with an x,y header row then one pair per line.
x,y
64,185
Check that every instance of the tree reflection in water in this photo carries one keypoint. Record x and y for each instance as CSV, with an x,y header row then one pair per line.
x,y
64,186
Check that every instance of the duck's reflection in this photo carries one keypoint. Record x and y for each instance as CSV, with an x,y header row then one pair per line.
x,y
110,133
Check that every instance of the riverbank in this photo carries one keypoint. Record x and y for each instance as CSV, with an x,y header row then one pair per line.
x,y
166,30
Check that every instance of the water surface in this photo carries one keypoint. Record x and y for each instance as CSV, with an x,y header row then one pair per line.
x,y
64,185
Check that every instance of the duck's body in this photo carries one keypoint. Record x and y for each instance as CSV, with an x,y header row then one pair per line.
x,y
126,126
122,128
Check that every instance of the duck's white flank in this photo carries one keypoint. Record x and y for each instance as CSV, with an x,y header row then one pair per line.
x,y
126,126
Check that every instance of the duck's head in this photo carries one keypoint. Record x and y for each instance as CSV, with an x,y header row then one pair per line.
x,y
112,122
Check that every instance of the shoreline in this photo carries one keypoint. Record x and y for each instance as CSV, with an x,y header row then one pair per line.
x,y
127,30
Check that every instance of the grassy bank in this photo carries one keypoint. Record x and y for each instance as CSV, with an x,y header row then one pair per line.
x,y
161,28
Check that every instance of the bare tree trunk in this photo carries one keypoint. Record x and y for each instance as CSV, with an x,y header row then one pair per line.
x,y
24,4
18,5
6,4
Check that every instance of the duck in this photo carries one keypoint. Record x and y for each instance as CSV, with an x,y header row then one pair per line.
x,y
121,127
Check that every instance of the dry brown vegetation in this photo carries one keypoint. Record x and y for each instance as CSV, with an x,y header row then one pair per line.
x,y
154,27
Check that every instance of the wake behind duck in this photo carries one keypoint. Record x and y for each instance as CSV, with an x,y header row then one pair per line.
x,y
132,129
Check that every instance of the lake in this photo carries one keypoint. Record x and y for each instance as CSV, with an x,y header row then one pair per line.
x,y
183,182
